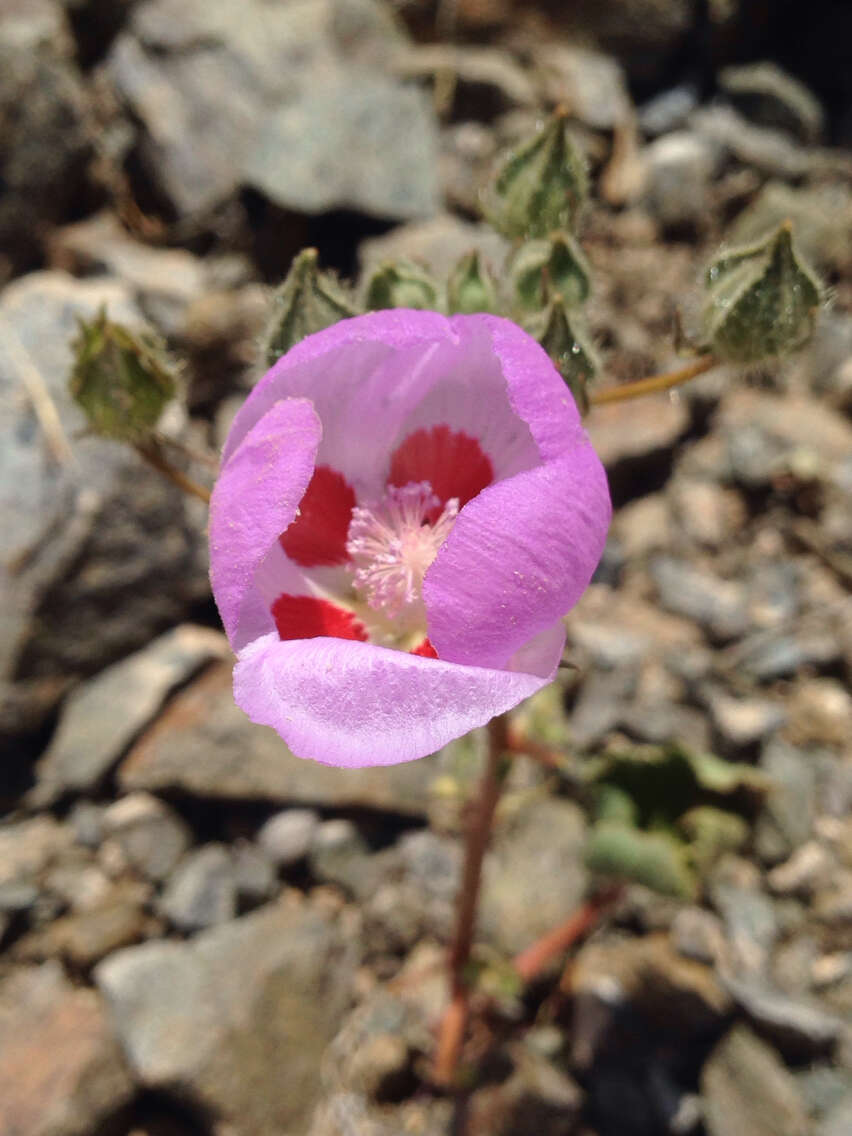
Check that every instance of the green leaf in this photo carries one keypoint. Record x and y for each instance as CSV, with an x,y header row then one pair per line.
x,y
541,185
655,859
563,336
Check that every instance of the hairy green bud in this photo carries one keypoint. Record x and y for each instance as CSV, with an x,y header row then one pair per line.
x,y
307,300
556,264
400,284
562,335
762,300
541,186
470,287
122,379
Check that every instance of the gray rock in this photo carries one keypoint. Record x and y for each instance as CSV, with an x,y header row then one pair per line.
x,y
79,531
668,111
339,855
821,216
838,1121
237,1019
29,847
751,923
719,606
87,820
741,722
44,112
204,745
589,84
254,874
600,705
202,890
85,937
769,96
680,168
151,835
309,81
287,836
748,1092
488,80
544,842
770,151
105,714
788,814
61,1069
799,1028
698,934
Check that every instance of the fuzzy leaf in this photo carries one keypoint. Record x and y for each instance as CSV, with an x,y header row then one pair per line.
x,y
554,265
654,859
306,301
400,284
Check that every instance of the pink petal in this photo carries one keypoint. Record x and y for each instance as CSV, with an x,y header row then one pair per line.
x,y
519,556
254,500
354,704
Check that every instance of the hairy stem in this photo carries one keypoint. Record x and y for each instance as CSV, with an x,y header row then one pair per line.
x,y
152,454
454,1022
655,383
535,957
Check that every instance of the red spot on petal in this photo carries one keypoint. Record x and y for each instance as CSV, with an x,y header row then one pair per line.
x,y
452,462
306,617
426,650
318,534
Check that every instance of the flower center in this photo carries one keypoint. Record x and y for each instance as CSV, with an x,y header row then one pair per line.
x,y
391,545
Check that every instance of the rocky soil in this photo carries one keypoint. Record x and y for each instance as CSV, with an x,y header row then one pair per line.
x,y
201,935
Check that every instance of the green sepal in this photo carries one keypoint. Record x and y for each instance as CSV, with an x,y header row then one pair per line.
x,y
541,185
400,284
554,264
470,287
763,300
122,379
306,301
563,336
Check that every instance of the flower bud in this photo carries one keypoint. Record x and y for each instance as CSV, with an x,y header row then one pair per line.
x,y
400,284
762,300
306,301
556,264
122,379
470,287
540,186
561,334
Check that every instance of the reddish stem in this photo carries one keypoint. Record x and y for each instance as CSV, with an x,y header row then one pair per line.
x,y
532,961
454,1022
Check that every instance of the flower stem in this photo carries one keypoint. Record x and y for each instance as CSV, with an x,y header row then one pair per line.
x,y
655,383
453,1024
535,957
153,455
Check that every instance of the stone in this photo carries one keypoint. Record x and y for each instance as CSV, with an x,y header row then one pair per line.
x,y
748,1092
800,1028
536,1097
668,111
750,919
61,1069
709,514
103,716
631,437
46,127
544,842
718,606
838,1121
589,84
164,281
287,836
787,817
742,722
820,713
679,172
29,847
340,855
488,81
254,874
84,938
600,705
769,151
307,80
203,745
237,1019
698,934
386,128
809,868
202,890
83,521
821,216
151,835
769,96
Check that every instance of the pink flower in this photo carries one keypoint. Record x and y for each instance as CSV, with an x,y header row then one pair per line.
x,y
407,506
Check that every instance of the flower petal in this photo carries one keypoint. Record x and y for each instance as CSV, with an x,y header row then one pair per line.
x,y
354,704
318,534
519,556
254,500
